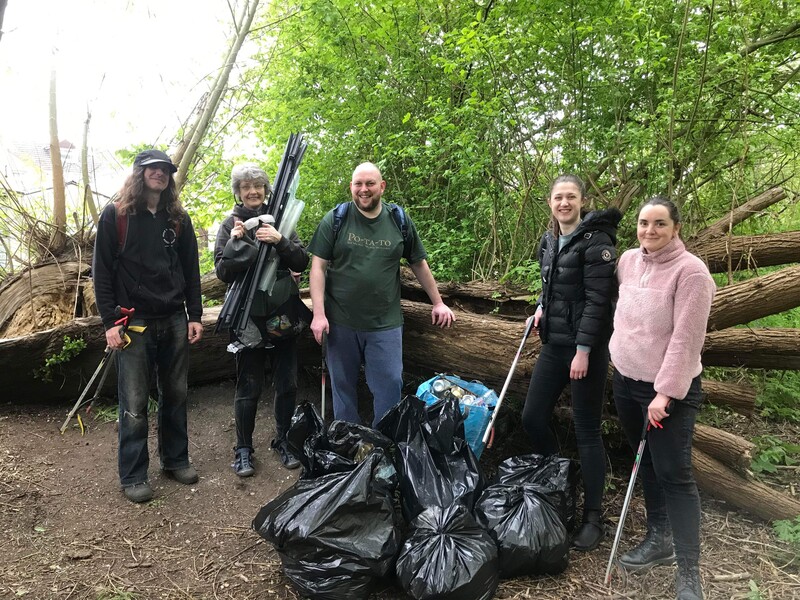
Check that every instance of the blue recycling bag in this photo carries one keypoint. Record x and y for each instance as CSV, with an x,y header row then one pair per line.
x,y
476,402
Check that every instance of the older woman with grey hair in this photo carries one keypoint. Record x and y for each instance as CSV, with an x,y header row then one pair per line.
x,y
233,254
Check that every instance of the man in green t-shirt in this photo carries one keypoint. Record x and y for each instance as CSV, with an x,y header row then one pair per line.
x,y
355,290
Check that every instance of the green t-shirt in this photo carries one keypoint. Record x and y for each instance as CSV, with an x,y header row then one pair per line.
x,y
362,285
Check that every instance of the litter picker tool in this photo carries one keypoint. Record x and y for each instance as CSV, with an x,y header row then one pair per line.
x,y
124,316
487,436
324,350
626,504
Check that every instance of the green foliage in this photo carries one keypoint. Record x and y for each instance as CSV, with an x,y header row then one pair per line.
x,y
778,399
754,593
52,364
471,112
206,260
771,451
788,531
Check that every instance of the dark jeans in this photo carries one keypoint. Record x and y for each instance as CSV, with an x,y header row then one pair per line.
x,y
549,378
250,370
670,492
163,349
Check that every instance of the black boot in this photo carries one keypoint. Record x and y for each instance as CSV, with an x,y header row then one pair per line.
x,y
655,549
687,580
591,532
242,462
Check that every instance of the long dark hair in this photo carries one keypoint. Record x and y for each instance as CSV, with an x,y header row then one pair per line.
x,y
565,178
131,197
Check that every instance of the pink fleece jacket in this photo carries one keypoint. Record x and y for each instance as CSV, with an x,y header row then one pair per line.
x,y
661,317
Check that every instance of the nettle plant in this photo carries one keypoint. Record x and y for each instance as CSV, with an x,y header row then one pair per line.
x,y
52,364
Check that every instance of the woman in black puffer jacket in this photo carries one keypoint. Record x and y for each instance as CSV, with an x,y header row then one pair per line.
x,y
574,319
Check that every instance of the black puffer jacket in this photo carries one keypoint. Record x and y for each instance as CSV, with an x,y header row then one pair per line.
x,y
578,283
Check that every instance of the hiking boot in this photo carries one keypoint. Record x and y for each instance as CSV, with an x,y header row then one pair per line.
x,y
243,462
687,580
288,459
138,492
591,532
655,549
186,476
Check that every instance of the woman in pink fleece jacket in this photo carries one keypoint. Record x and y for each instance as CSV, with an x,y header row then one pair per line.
x,y
665,296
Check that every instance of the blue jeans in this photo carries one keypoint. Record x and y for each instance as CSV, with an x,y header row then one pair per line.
x,y
381,352
549,378
670,492
250,365
162,349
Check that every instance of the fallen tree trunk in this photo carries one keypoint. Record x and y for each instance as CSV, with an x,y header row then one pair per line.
x,y
755,298
724,224
738,397
753,348
477,296
45,296
476,347
714,478
732,450
740,252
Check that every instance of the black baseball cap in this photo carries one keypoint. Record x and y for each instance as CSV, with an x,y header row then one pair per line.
x,y
151,157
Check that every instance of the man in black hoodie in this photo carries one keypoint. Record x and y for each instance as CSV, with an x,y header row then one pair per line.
x,y
145,259
234,251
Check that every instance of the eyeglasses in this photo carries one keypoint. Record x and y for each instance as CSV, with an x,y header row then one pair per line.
x,y
246,187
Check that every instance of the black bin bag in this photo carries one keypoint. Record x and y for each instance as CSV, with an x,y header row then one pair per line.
x,y
338,534
448,556
530,534
435,465
557,477
335,450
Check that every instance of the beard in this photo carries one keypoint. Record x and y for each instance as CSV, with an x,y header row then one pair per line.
x,y
368,204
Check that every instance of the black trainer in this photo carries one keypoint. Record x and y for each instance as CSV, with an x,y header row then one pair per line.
x,y
288,459
243,462
687,580
591,532
655,549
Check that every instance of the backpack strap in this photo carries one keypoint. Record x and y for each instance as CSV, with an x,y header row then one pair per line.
x,y
122,228
398,216
339,213
400,219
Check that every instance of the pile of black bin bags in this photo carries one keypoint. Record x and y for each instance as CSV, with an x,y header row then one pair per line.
x,y
339,533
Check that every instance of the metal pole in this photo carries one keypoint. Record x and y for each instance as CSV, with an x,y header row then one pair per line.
x,y
488,432
627,502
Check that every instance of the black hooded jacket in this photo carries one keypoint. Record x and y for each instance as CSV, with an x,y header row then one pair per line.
x,y
578,282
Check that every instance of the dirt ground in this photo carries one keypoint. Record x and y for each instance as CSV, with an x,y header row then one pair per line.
x,y
68,532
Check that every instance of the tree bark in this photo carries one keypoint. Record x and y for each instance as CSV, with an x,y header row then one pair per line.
x,y
88,198
738,397
753,348
723,225
732,450
742,252
755,298
59,236
714,478
248,14
40,297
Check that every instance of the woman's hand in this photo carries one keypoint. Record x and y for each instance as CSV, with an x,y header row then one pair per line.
x,y
268,234
238,229
580,365
658,410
